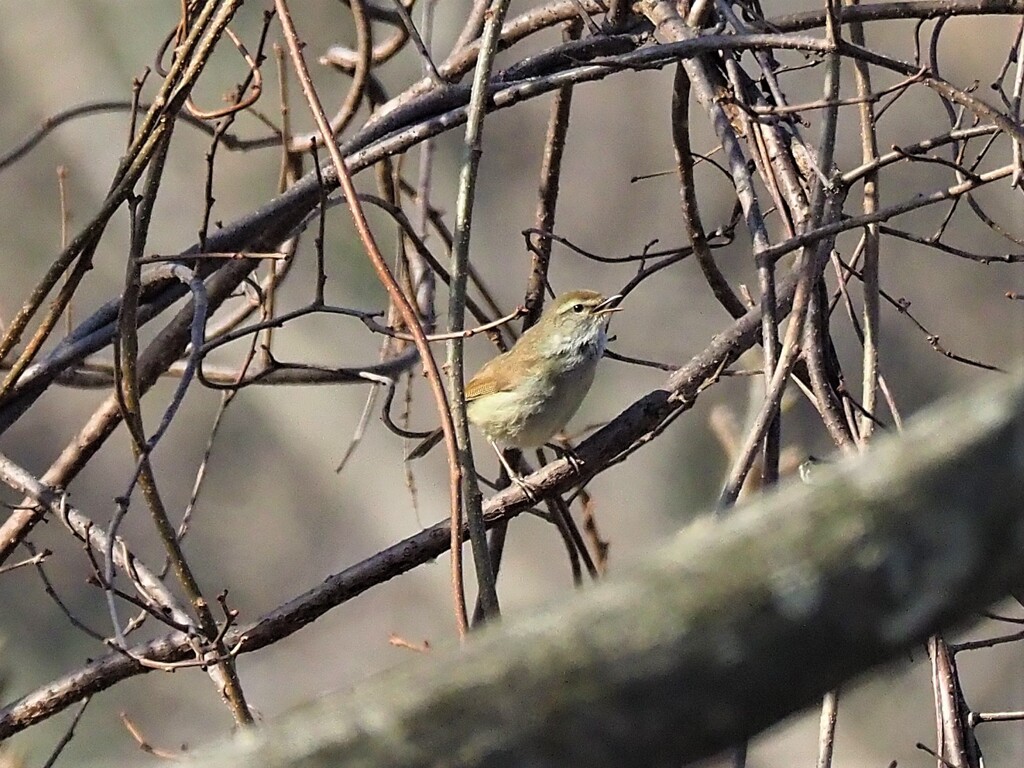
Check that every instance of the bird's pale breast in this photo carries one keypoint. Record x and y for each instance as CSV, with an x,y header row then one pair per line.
x,y
539,406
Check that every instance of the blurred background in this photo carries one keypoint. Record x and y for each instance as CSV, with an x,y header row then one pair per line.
x,y
274,519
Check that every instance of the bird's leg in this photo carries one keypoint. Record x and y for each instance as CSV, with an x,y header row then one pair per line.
x,y
514,476
567,452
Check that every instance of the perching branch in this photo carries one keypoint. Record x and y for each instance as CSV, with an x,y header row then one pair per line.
x,y
732,626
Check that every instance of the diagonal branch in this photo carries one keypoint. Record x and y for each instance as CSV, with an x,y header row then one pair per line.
x,y
806,589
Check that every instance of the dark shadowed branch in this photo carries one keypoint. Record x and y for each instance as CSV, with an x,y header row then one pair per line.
x,y
847,573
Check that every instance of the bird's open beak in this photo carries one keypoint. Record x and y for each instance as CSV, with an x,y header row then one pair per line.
x,y
609,305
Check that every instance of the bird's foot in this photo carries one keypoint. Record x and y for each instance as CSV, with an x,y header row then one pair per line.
x,y
528,490
567,452
515,477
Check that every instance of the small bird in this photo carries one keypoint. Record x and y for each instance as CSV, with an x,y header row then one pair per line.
x,y
522,397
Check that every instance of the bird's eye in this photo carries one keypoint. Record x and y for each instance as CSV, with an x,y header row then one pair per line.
x,y
577,308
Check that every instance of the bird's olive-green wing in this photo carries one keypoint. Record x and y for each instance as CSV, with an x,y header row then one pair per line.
x,y
492,377
501,373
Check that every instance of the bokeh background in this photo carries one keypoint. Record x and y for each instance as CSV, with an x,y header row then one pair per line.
x,y
274,518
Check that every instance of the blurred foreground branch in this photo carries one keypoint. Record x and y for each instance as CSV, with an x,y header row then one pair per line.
x,y
730,628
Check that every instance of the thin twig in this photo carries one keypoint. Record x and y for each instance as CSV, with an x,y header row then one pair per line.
x,y
68,734
380,266
457,308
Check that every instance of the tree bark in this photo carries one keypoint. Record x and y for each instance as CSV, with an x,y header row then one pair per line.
x,y
732,626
